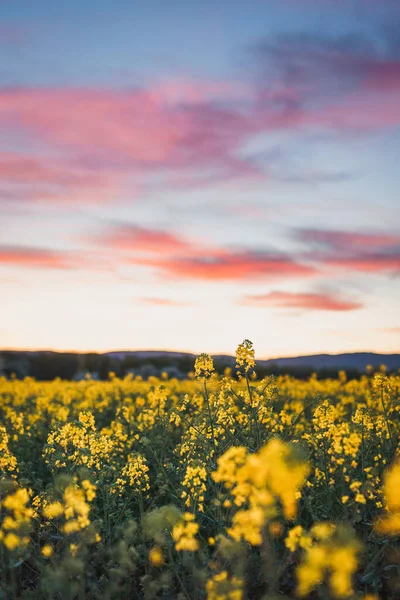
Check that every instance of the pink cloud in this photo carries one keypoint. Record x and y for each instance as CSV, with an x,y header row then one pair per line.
x,y
28,257
178,257
225,265
182,132
368,252
163,302
307,301
129,123
338,82
350,240
138,125
23,176
33,258
176,91
378,263
105,145
361,111
132,238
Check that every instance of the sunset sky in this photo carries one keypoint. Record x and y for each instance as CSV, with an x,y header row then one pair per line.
x,y
185,174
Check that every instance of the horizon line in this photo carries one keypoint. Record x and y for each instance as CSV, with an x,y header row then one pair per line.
x,y
100,352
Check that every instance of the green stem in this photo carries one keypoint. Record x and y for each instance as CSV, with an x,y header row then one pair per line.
x,y
254,412
211,419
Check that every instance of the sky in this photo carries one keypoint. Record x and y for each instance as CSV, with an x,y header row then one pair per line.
x,y
183,175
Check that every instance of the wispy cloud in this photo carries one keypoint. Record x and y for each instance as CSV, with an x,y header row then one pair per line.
x,y
33,258
184,133
345,83
61,180
135,239
369,252
229,265
103,144
306,301
175,256
163,302
30,257
350,240
367,263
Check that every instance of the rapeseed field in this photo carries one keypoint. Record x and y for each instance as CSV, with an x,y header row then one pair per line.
x,y
216,487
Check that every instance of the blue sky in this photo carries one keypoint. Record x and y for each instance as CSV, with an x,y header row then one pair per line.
x,y
183,175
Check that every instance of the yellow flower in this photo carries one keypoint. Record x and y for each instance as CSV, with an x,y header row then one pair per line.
x,y
293,538
204,366
390,523
183,534
391,488
221,587
156,556
90,490
332,555
47,551
17,503
274,473
245,356
53,510
11,541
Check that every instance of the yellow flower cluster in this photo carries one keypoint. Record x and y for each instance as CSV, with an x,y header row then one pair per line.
x,y
329,552
184,532
194,484
203,366
8,462
134,475
221,587
262,482
74,507
245,358
78,444
15,526
390,523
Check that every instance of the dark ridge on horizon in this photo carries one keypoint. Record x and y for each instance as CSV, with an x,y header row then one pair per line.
x,y
47,364
119,354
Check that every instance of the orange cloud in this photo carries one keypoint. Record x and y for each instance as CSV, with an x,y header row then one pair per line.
x,y
177,257
225,265
307,301
33,258
368,263
44,258
368,252
132,238
163,302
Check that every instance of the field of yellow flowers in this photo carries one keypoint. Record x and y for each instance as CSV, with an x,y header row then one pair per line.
x,y
218,487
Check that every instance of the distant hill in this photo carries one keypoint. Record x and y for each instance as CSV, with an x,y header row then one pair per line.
x,y
356,360
46,365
